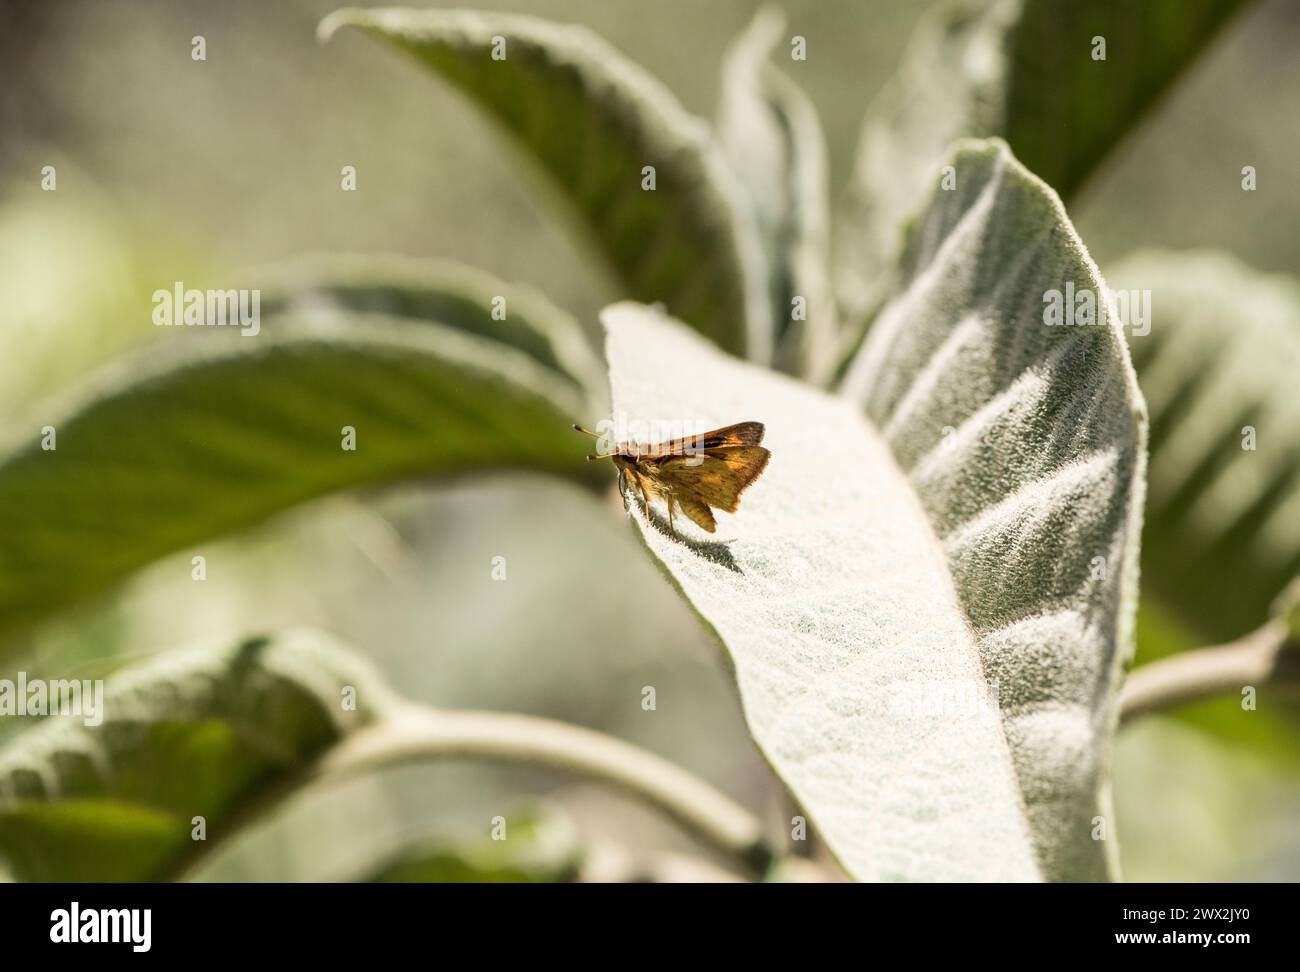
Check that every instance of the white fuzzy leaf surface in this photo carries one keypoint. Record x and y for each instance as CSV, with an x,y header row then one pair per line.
x,y
1026,444
858,672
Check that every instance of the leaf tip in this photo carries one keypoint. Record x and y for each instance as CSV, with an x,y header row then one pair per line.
x,y
612,315
765,29
345,17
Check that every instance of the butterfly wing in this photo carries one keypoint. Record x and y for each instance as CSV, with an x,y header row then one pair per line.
x,y
740,434
697,510
716,478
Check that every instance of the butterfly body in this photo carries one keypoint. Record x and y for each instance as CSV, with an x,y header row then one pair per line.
x,y
693,474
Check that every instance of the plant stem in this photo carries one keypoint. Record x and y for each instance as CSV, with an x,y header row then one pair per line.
x,y
1254,659
420,734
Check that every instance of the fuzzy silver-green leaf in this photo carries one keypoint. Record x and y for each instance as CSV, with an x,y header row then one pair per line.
x,y
1026,443
831,595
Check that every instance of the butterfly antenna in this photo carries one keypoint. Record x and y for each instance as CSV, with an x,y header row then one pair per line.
x,y
594,435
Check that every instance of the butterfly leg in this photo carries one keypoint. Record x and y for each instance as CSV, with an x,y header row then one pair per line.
x,y
622,488
671,529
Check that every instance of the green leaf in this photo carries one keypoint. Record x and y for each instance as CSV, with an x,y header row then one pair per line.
x,y
773,138
216,432
537,848
1054,75
1025,444
1021,69
593,120
205,732
831,595
1221,536
441,291
1223,520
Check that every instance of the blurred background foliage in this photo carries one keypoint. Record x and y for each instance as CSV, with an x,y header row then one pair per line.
x,y
170,169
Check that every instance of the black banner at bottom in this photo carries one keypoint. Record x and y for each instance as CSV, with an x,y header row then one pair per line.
x,y
335,921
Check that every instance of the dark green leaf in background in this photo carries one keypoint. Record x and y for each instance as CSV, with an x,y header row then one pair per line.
x,y
1223,353
443,292
204,732
593,119
185,443
1021,69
